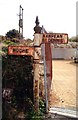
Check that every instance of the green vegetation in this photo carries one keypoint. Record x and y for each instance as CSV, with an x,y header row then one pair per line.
x,y
17,75
12,34
74,39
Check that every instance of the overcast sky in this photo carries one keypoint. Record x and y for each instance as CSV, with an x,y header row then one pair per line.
x,y
58,16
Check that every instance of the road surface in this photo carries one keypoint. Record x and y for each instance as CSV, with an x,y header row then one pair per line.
x,y
64,84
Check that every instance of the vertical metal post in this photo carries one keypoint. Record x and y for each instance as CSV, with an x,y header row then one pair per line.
x,y
47,72
45,80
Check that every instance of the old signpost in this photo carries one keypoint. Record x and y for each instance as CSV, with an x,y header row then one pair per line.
x,y
20,50
56,38
41,51
44,41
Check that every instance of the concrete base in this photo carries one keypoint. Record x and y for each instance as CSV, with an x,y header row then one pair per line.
x,y
64,112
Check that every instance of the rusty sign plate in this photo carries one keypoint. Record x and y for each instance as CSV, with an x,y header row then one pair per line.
x,y
55,38
20,50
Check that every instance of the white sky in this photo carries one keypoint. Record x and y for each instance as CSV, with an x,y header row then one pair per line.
x,y
55,15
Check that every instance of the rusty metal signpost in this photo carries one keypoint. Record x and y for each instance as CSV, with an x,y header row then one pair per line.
x,y
48,38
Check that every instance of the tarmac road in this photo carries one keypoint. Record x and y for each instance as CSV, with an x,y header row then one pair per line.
x,y
64,84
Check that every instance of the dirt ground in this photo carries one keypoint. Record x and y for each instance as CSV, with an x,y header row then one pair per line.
x,y
64,84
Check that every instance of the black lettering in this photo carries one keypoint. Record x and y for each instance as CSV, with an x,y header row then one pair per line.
x,y
15,50
43,35
62,40
61,36
49,35
20,50
26,50
46,35
54,36
58,36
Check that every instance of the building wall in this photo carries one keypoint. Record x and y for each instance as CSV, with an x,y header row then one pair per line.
x,y
63,53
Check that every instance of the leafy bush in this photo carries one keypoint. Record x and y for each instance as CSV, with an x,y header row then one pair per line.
x,y
33,115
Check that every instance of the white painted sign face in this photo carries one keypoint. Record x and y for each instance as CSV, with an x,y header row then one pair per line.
x,y
37,39
37,53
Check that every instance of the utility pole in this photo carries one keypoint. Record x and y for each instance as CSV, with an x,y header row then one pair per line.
x,y
20,22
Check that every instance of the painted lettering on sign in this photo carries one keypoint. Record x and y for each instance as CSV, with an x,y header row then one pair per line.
x,y
20,50
58,38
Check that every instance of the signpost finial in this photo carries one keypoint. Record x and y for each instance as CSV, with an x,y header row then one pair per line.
x,y
37,28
